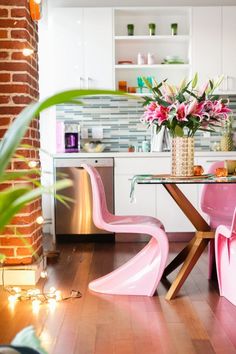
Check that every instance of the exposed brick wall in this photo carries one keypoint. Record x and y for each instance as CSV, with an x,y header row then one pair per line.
x,y
19,87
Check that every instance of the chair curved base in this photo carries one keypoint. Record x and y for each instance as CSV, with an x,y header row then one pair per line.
x,y
226,266
139,276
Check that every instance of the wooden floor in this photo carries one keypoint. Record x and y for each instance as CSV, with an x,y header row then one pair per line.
x,y
198,321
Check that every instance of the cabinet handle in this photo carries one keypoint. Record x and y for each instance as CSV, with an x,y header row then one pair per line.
x,y
81,80
89,80
227,83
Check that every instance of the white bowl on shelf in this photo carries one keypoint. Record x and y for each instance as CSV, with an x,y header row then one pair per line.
x,y
93,147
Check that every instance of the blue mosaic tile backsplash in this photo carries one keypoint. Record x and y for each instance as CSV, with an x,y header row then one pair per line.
x,y
120,119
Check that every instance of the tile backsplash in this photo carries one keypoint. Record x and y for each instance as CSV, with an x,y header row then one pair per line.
x,y
119,118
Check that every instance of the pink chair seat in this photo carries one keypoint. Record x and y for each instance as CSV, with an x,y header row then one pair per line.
x,y
225,249
142,273
218,202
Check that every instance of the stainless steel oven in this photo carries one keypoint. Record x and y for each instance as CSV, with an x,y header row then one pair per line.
x,y
77,219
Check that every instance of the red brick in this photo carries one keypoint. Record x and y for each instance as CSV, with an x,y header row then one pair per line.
x,y
16,241
18,261
2,132
4,99
25,251
8,230
12,45
18,12
9,252
9,23
5,121
9,66
3,12
3,34
14,2
10,109
14,89
26,229
4,55
5,77
22,34
21,100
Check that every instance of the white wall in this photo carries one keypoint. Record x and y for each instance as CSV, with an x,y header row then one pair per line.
x,y
117,3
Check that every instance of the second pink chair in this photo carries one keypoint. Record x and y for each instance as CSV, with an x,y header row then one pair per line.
x,y
225,247
218,202
142,273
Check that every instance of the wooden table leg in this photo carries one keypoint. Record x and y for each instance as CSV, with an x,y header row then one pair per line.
x,y
179,259
195,252
191,253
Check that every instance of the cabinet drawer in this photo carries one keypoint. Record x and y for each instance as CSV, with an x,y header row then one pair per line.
x,y
146,165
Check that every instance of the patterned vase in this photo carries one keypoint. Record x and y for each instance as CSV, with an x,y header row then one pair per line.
x,y
182,156
226,142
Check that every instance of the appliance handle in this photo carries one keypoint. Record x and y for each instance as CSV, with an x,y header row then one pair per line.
x,y
76,163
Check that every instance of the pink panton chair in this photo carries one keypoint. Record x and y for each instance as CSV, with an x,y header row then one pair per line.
x,y
225,247
218,202
141,274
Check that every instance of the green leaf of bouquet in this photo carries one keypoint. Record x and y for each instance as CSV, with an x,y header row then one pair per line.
x,y
179,131
195,80
192,94
180,97
211,84
162,102
19,127
157,90
146,82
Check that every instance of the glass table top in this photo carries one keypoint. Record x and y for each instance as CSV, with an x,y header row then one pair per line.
x,y
164,179
168,179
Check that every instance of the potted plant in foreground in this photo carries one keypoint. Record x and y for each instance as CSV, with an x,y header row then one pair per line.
x,y
13,199
183,111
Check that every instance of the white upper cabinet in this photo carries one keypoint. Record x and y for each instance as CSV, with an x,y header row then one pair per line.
x,y
206,42
98,48
229,47
66,46
214,45
81,48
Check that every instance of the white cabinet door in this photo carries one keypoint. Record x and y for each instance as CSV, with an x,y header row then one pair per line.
x,y
98,48
206,42
66,43
145,198
229,47
169,212
152,200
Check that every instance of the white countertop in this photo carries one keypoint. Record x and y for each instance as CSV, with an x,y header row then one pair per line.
x,y
230,154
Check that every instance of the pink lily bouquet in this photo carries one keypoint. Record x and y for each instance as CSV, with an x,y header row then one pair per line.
x,y
185,109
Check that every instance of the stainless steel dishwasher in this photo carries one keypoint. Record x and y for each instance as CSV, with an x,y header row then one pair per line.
x,y
77,219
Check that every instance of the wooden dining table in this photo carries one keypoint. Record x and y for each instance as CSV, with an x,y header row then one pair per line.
x,y
203,234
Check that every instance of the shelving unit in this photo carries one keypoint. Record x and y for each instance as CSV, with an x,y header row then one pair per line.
x,y
160,45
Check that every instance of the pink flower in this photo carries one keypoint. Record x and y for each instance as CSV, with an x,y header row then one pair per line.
x,y
161,114
181,112
155,113
220,110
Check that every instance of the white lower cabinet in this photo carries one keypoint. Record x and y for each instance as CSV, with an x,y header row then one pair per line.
x,y
169,212
152,200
